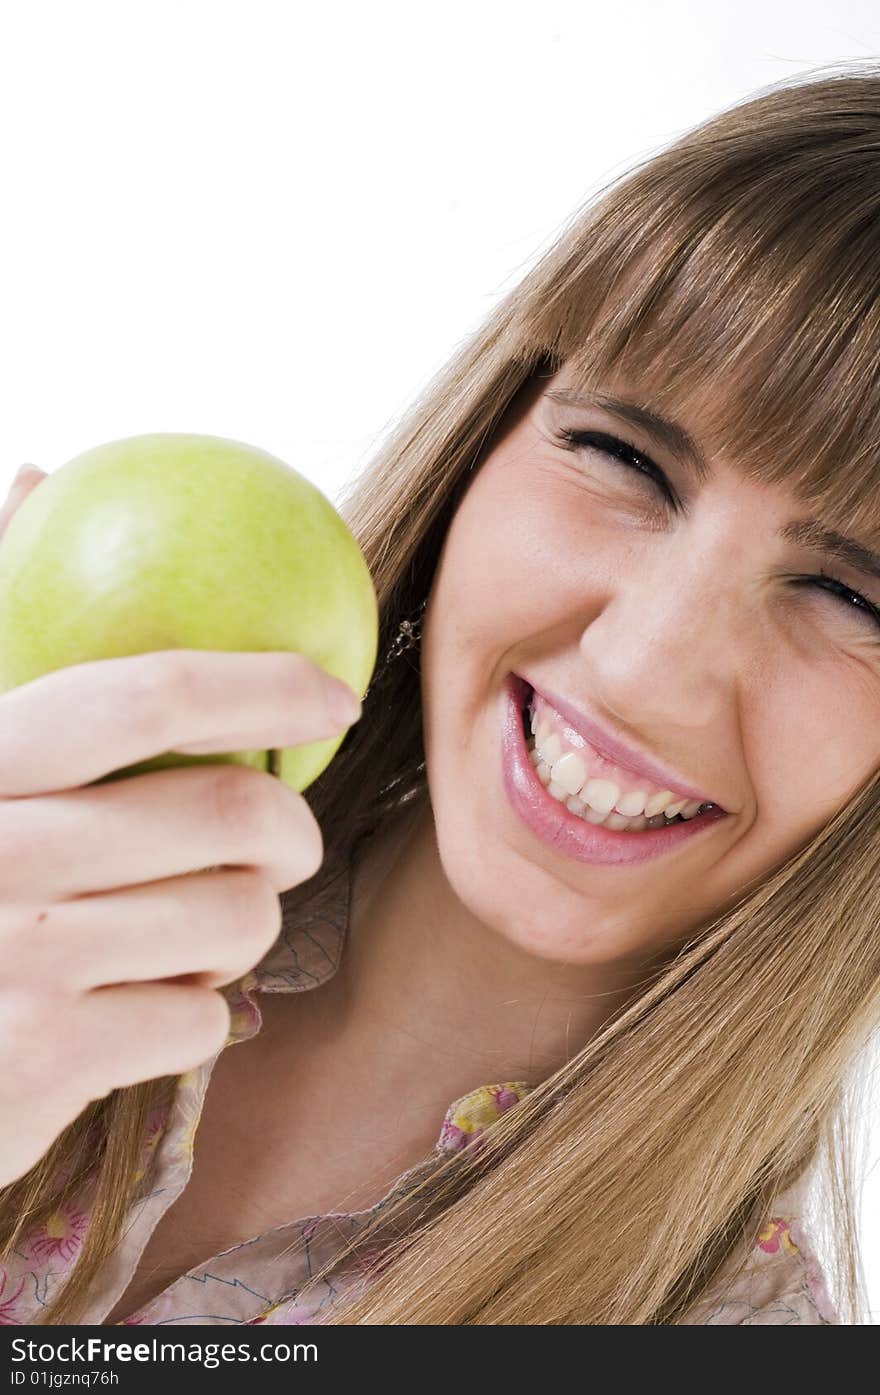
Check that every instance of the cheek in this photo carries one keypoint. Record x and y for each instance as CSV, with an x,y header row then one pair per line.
x,y
482,608
806,762
505,569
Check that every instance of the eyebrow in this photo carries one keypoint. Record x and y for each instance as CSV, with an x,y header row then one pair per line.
x,y
803,532
670,434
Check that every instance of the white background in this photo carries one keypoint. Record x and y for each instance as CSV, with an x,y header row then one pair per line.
x,y
273,221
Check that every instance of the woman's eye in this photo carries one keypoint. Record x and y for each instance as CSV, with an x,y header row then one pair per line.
x,y
852,600
613,448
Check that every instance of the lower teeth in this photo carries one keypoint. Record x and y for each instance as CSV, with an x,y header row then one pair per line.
x,y
658,821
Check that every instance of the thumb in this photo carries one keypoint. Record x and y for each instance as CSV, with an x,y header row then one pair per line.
x,y
24,471
26,478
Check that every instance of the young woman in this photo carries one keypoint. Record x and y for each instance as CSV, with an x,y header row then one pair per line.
x,y
623,554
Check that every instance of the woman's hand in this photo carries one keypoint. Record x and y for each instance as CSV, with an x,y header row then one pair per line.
x,y
114,939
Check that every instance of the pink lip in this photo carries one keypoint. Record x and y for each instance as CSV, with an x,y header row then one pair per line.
x,y
555,825
616,751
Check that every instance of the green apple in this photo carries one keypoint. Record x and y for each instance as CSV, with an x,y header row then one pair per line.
x,y
182,541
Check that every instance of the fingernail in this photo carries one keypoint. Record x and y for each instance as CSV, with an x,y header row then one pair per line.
x,y
343,702
23,470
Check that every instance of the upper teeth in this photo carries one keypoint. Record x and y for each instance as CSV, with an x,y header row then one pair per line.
x,y
568,772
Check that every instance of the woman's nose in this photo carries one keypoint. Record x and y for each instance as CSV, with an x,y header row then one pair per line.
x,y
667,644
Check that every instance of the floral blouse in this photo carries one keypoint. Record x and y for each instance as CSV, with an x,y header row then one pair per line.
x,y
258,1280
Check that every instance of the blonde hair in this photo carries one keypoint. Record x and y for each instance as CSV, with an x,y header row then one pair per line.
x,y
738,268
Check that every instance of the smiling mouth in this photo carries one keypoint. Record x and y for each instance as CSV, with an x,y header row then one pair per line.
x,y
637,822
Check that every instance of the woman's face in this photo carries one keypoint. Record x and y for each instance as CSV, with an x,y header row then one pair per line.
x,y
681,631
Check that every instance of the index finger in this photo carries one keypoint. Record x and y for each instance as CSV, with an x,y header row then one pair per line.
x,y
80,723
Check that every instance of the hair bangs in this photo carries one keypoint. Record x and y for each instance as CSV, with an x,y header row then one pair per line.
x,y
750,312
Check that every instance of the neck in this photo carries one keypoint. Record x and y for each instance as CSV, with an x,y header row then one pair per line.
x,y
430,1002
